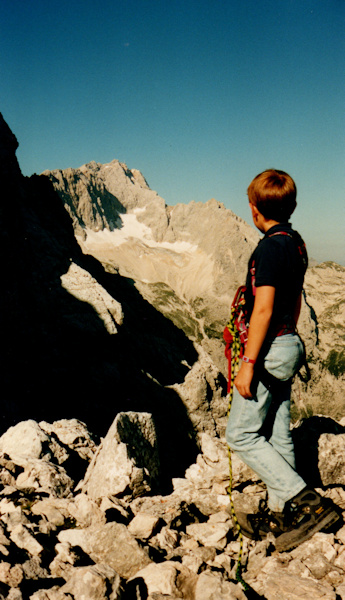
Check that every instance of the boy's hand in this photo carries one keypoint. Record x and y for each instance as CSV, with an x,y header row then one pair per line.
x,y
244,379
258,327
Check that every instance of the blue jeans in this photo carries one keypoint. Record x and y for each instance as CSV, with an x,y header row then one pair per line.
x,y
272,457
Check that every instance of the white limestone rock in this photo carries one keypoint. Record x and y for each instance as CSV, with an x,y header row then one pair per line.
x,y
197,397
26,439
115,509
340,591
14,594
167,539
143,526
64,561
22,537
54,510
111,544
127,460
210,534
211,586
85,511
320,542
94,582
52,442
332,459
168,508
280,584
11,576
73,434
84,287
33,569
44,476
169,578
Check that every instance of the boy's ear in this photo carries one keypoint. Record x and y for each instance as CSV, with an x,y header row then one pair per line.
x,y
254,210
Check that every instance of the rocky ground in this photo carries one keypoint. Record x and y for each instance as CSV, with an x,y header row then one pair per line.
x,y
82,520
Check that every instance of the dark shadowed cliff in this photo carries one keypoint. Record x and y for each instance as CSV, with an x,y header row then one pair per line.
x,y
58,359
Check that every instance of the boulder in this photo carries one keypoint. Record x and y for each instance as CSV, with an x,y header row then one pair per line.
x,y
12,576
211,586
280,584
143,526
65,559
44,476
110,544
94,582
26,439
127,460
74,434
169,578
210,534
331,459
85,511
22,537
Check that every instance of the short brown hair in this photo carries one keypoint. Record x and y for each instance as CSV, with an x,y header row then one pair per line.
x,y
274,194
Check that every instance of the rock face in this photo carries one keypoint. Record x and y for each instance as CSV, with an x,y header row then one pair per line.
x,y
127,461
108,545
187,261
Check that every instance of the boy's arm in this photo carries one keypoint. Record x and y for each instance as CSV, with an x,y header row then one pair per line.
x,y
258,326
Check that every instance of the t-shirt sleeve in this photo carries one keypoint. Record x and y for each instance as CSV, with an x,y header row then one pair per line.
x,y
269,263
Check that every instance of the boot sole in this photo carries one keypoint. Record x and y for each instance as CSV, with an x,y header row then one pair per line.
x,y
283,543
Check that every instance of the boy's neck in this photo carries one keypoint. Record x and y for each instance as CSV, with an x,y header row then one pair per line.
x,y
260,221
267,224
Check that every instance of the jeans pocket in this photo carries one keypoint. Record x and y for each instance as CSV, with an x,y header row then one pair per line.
x,y
284,357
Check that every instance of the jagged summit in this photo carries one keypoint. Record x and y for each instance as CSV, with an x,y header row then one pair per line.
x,y
96,194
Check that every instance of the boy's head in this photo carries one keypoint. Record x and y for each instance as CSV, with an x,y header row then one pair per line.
x,y
273,193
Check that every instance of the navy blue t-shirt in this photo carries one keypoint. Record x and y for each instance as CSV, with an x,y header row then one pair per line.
x,y
280,260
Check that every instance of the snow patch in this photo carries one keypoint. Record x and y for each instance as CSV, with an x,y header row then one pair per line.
x,y
132,228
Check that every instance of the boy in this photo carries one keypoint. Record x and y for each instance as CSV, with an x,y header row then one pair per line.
x,y
258,429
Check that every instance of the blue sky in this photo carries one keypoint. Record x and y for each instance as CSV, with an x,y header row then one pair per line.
x,y
199,95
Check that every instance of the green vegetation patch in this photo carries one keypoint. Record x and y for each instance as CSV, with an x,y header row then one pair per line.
x,y
335,362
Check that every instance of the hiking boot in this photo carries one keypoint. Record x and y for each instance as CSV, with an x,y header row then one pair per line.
x,y
258,525
306,513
